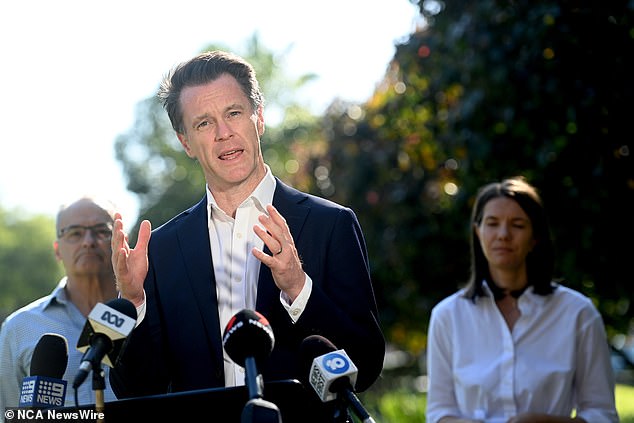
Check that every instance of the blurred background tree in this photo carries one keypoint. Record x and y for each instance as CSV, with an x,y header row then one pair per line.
x,y
28,265
483,91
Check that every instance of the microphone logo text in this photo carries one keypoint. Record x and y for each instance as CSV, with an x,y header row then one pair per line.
x,y
112,319
336,363
42,392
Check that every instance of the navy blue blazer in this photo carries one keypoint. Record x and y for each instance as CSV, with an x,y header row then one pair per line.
x,y
178,346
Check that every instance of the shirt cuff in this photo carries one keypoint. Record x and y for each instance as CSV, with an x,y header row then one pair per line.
x,y
296,308
140,310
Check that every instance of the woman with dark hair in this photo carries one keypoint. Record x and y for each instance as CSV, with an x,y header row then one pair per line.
x,y
513,345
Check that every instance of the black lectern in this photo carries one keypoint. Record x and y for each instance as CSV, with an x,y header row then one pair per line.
x,y
223,405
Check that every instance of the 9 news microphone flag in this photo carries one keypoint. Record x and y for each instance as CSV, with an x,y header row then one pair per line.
x,y
45,388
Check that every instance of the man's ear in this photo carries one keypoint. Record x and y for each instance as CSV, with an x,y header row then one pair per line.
x,y
56,250
260,122
185,143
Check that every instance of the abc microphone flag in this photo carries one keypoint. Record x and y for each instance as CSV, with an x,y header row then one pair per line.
x,y
45,388
104,335
115,320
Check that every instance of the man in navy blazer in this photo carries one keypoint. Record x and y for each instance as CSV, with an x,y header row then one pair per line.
x,y
301,261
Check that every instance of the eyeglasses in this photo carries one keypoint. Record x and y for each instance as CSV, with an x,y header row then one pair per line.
x,y
75,233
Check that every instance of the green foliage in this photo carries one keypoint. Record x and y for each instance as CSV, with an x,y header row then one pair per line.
x,y
27,260
624,396
398,406
407,406
493,89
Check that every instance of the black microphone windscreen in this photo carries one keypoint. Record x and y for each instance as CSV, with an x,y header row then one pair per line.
x,y
248,334
124,306
50,356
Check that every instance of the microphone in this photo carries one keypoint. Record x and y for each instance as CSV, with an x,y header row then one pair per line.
x,y
248,340
332,374
45,388
104,335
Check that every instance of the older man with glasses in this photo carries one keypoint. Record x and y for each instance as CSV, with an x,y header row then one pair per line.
x,y
84,231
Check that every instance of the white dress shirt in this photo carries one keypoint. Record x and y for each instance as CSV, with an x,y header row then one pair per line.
x,y
555,360
236,268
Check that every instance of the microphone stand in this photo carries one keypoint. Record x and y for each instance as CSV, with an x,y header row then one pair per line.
x,y
98,385
341,411
257,409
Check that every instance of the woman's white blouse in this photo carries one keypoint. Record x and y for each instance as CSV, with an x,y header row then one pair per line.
x,y
556,359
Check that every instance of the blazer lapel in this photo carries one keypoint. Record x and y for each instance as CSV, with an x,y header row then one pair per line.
x,y
193,237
